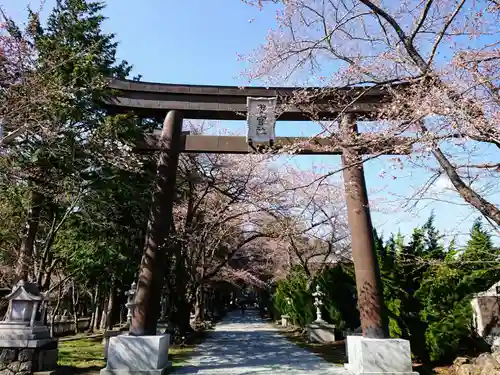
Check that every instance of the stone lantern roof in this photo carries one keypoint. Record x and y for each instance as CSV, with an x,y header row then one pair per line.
x,y
24,291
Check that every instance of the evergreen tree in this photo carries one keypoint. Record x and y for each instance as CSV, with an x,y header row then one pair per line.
x,y
433,246
340,302
448,289
451,251
479,248
427,289
74,146
293,298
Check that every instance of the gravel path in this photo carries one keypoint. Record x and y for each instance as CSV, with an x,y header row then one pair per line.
x,y
246,345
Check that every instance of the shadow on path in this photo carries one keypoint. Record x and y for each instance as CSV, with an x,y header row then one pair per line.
x,y
244,345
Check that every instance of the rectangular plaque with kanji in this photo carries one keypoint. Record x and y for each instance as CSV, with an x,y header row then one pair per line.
x,y
261,119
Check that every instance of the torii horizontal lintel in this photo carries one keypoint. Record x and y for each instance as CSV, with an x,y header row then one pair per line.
x,y
153,99
219,144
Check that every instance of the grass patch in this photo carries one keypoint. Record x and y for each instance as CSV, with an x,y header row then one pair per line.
x,y
80,335
333,353
179,354
85,356
443,370
82,356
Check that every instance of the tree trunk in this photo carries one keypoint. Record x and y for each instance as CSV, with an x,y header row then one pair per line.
x,y
180,308
111,303
95,309
28,240
199,305
104,314
55,310
47,272
218,303
120,318
91,323
181,318
74,304
97,317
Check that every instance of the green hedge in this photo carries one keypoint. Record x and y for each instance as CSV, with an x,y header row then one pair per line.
x,y
293,297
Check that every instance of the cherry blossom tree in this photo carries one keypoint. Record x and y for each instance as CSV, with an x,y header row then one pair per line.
x,y
300,221
309,216
239,217
438,58
211,222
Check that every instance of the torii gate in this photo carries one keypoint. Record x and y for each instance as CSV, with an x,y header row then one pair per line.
x,y
230,103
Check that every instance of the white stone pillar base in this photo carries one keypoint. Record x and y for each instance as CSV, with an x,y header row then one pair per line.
x,y
368,356
321,332
137,355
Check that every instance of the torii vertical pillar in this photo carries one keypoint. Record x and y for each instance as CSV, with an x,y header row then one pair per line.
x,y
143,351
148,296
393,356
368,284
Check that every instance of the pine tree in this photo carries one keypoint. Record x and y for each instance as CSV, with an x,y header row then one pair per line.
x,y
73,140
480,260
433,247
479,247
451,250
448,288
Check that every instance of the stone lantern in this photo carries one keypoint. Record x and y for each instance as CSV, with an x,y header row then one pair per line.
x,y
24,318
319,330
285,319
318,302
130,301
163,307
25,341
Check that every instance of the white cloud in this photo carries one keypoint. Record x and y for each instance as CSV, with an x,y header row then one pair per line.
x,y
442,185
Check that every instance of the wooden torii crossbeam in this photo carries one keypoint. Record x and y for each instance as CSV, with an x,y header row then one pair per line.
x,y
153,100
223,144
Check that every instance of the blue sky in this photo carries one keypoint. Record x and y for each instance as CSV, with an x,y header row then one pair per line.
x,y
197,42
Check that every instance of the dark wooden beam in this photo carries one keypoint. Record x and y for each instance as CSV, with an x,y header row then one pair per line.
x,y
238,145
150,99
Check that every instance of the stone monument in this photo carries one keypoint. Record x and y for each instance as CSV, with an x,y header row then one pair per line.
x,y
319,330
127,355
486,314
26,346
378,356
